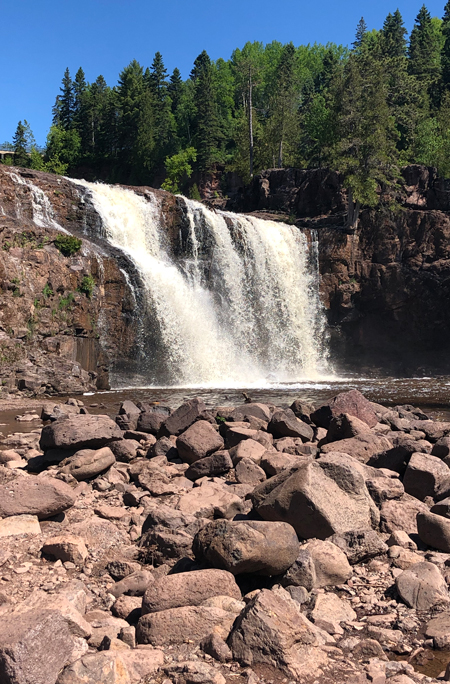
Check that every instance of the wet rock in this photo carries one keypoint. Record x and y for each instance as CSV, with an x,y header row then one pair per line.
x,y
318,564
265,548
271,630
24,647
66,548
425,476
80,432
87,463
188,589
319,499
434,530
44,497
286,424
174,626
19,524
216,464
198,441
352,403
360,546
422,586
184,416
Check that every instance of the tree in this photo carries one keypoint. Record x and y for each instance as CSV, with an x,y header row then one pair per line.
x,y
80,117
65,103
63,150
282,127
446,48
425,53
157,77
393,36
178,167
175,89
361,31
207,134
20,146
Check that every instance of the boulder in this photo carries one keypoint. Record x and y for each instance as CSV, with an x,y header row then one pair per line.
x,y
422,586
360,546
193,672
318,564
248,448
113,667
274,462
80,432
434,530
248,472
210,500
41,496
329,611
87,463
251,546
425,476
286,424
244,412
271,630
184,416
125,450
175,625
302,410
198,441
19,524
25,641
385,488
128,608
135,584
401,515
150,422
442,508
345,426
364,447
210,466
353,403
319,499
188,589
442,448
66,547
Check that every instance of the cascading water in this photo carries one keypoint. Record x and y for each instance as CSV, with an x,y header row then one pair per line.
x,y
43,214
240,305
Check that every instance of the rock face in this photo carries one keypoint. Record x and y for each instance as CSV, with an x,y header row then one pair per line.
x,y
318,500
265,548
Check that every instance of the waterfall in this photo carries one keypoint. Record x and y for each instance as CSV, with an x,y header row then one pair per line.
x,y
237,307
43,214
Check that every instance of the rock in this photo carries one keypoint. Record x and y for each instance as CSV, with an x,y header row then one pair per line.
x,y
274,462
402,539
302,410
265,548
345,426
135,584
403,558
439,627
24,647
210,500
352,403
442,448
125,450
66,548
384,489
99,535
434,530
248,448
360,546
19,524
80,432
128,608
286,424
242,413
329,611
176,625
217,648
163,546
188,589
318,564
319,499
401,515
44,497
198,441
87,463
216,464
181,419
442,508
104,626
150,422
422,586
363,448
194,672
70,607
425,476
113,667
248,472
272,630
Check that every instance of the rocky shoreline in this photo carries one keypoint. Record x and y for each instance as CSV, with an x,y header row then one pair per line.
x,y
251,544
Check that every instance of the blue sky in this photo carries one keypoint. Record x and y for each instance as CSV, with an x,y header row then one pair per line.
x,y
40,38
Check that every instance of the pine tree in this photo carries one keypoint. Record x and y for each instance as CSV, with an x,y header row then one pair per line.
x,y
393,36
81,119
206,124
157,77
20,146
361,31
175,88
446,49
425,54
66,101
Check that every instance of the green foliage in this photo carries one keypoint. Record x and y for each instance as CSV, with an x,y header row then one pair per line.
x,y
194,193
47,291
178,168
87,286
68,245
65,302
20,146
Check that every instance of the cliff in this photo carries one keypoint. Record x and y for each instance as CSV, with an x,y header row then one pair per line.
x,y
385,286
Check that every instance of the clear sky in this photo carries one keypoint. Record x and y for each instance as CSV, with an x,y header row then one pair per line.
x,y
40,38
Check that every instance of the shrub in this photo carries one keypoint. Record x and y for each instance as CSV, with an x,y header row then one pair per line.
x,y
47,291
68,244
87,286
65,302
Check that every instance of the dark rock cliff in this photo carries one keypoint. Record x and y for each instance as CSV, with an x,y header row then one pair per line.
x,y
385,286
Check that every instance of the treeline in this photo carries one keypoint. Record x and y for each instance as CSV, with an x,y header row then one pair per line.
x,y
364,111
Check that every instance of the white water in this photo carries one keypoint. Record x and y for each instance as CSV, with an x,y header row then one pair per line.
x,y
240,307
43,214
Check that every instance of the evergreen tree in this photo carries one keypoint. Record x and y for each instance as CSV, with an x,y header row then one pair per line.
x,y
206,134
20,146
446,49
425,53
175,88
66,101
157,78
393,36
282,129
361,31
